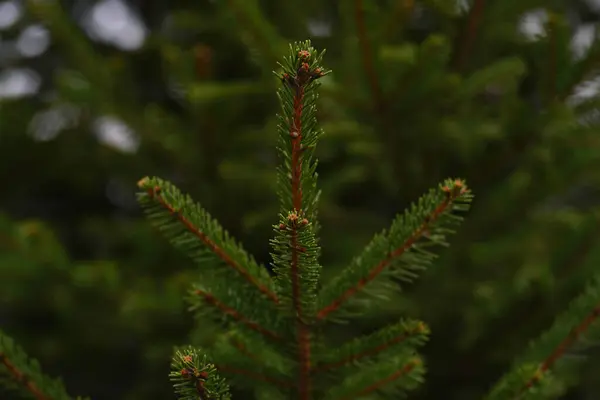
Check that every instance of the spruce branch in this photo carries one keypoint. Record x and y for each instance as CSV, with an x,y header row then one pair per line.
x,y
26,373
399,251
194,377
193,227
400,337
531,375
393,376
278,321
296,252
233,312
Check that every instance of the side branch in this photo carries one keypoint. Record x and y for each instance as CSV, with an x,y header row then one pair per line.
x,y
210,299
401,372
372,351
19,376
560,350
377,269
219,252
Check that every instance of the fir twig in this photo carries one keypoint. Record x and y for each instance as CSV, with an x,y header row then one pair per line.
x,y
455,194
529,374
27,373
401,335
195,378
227,310
154,193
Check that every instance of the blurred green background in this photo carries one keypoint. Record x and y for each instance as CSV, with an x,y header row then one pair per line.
x,y
95,95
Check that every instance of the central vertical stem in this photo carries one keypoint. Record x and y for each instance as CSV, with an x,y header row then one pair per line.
x,y
302,332
296,136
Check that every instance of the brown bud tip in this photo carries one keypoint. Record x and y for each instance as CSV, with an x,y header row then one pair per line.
x,y
458,183
294,134
187,359
203,374
293,217
304,221
304,54
184,372
143,182
282,227
446,189
157,189
305,67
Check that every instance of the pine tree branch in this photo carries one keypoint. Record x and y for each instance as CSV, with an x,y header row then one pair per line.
x,y
530,374
154,192
367,56
195,378
295,260
26,372
393,376
213,301
398,336
20,377
373,387
469,35
562,347
455,191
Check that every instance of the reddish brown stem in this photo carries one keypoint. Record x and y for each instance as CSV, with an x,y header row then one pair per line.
x,y
253,375
365,353
560,350
219,252
296,136
468,38
19,376
377,269
304,384
212,300
370,389
367,55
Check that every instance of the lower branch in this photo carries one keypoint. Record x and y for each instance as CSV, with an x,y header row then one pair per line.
x,y
210,299
19,376
370,389
560,350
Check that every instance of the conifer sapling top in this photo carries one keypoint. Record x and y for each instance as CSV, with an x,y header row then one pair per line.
x,y
276,339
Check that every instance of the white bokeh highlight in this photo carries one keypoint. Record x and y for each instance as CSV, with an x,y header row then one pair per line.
x,y
16,83
33,41
47,124
532,24
115,133
10,12
113,22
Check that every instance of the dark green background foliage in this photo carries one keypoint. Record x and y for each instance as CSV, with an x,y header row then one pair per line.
x,y
420,91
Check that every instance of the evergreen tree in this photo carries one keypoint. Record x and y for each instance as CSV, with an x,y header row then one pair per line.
x,y
276,342
463,93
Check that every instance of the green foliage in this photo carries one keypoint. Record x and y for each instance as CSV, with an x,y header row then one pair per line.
x,y
464,93
22,376
291,311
